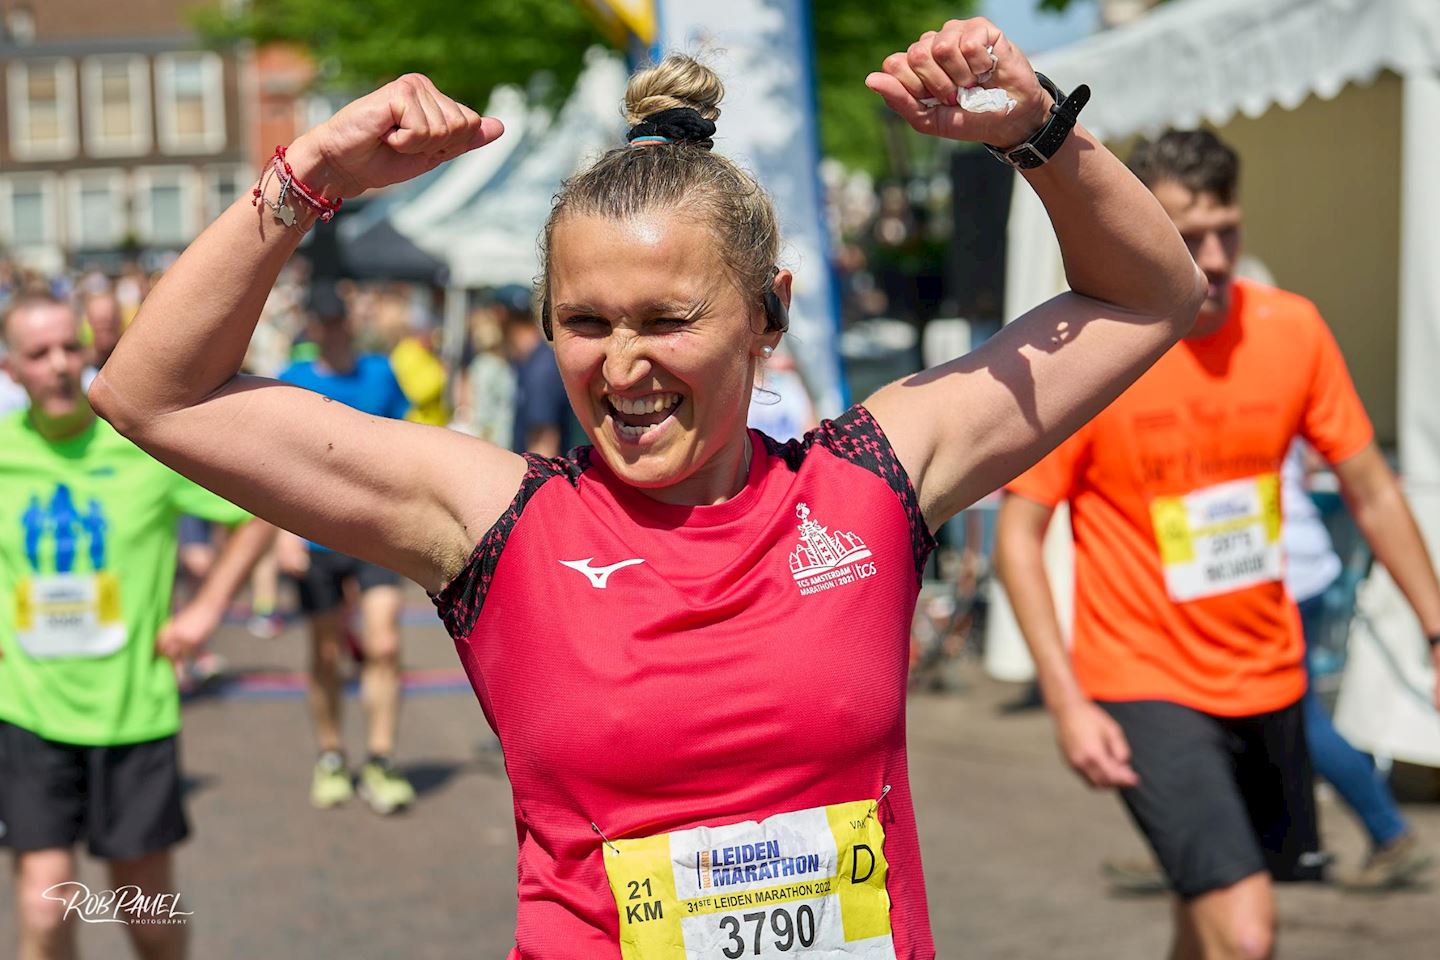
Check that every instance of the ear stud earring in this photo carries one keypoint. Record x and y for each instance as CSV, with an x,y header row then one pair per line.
x,y
767,352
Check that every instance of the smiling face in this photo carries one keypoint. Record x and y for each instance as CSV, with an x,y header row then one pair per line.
x,y
657,346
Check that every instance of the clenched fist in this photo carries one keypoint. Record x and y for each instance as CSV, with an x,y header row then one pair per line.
x,y
396,133
963,54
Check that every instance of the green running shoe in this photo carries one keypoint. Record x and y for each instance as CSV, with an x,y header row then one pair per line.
x,y
383,789
330,786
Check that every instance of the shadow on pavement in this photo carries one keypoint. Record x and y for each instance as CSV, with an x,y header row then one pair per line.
x,y
192,784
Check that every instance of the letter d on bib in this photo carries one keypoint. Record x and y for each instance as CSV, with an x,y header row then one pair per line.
x,y
861,853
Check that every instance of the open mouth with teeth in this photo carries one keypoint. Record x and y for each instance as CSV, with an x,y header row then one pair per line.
x,y
634,417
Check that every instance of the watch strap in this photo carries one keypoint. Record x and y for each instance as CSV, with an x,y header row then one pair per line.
x,y
1044,143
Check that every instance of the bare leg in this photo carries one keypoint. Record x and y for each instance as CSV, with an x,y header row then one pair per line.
x,y
324,689
380,674
154,874
44,932
1186,945
265,585
1233,923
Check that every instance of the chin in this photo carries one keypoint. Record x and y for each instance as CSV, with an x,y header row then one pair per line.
x,y
60,409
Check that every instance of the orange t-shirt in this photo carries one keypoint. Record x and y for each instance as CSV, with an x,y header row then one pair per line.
x,y
1174,494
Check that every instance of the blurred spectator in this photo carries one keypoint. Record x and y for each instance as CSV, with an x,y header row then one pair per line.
x,y
1311,570
130,290
410,339
485,388
543,421
781,408
365,382
105,322
86,696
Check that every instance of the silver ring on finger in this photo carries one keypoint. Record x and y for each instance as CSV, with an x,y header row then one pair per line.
x,y
985,77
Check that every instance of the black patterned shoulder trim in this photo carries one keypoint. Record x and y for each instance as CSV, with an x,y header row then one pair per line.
x,y
460,600
856,437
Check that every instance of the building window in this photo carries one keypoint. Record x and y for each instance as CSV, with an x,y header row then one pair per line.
x,y
222,186
42,109
166,206
189,89
21,24
117,106
31,214
98,216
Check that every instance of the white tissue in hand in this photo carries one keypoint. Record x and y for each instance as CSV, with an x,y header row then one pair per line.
x,y
985,100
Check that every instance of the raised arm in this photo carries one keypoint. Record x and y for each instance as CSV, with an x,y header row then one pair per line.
x,y
966,427
412,498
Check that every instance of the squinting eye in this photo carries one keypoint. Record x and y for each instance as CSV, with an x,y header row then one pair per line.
x,y
582,322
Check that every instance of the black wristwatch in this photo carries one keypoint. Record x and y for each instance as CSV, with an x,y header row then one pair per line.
x,y
1044,143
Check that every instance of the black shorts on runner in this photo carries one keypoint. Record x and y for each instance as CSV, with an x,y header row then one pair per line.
x,y
322,588
1221,798
124,801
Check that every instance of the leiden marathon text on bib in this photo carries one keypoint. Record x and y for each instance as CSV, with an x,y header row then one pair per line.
x,y
1221,538
804,884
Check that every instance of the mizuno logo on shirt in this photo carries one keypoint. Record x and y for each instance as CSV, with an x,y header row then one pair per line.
x,y
598,575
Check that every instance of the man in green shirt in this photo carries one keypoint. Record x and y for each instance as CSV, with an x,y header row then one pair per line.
x,y
89,709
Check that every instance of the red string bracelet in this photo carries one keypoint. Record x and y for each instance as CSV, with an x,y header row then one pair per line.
x,y
325,209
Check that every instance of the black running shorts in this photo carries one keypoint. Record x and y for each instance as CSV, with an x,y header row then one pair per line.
x,y
124,801
322,588
1221,798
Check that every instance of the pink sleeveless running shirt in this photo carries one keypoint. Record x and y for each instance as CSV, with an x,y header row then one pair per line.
x,y
721,691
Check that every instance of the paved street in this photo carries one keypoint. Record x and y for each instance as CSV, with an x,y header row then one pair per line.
x,y
1011,841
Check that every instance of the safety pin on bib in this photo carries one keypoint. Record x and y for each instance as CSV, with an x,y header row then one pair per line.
x,y
616,850
876,804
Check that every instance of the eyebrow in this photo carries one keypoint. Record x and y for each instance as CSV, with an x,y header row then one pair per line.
x,y
686,309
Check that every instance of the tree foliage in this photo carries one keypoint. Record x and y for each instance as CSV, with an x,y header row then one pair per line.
x,y
852,38
470,48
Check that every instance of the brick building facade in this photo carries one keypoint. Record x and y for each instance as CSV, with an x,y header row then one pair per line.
x,y
119,130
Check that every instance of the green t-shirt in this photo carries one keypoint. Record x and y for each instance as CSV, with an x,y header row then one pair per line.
x,y
87,565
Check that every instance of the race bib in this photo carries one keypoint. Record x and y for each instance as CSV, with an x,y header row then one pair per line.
x,y
804,884
1221,538
69,615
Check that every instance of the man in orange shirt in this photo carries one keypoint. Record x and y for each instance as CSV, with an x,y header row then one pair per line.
x,y
1184,682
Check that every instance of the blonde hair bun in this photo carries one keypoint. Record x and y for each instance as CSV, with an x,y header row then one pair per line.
x,y
677,81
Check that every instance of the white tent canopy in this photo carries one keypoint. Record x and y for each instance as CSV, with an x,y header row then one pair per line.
x,y
1207,60
1196,61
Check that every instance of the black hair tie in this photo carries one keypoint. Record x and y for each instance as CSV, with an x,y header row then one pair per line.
x,y
676,125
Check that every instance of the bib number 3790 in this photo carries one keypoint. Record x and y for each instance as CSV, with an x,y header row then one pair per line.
x,y
790,930
804,884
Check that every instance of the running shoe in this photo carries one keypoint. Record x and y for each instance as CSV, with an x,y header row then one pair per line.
x,y
330,786
1136,878
383,789
266,626
1397,864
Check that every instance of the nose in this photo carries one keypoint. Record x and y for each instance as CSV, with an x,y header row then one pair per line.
x,y
1210,256
626,360
59,362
